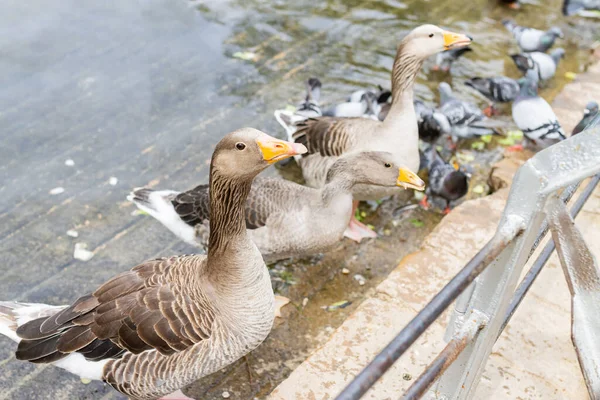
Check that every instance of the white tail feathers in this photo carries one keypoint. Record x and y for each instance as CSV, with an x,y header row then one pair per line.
x,y
14,314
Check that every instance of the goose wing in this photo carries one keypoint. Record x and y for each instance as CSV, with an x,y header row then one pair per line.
x,y
141,310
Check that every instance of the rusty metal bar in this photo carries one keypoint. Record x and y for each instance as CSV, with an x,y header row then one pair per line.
x,y
384,360
445,358
542,259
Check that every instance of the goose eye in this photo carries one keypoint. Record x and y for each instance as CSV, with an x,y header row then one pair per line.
x,y
431,35
240,146
388,165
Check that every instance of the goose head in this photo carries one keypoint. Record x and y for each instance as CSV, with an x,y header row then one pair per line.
x,y
427,40
379,168
246,152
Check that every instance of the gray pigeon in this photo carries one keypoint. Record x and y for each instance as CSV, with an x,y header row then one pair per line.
x,y
499,89
581,7
544,64
530,39
445,59
589,114
445,182
432,123
534,116
466,119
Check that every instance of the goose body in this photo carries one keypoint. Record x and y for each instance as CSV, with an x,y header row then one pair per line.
x,y
530,39
283,219
534,116
544,64
589,114
170,321
466,119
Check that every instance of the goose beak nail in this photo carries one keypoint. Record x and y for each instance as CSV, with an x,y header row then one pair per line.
x,y
274,150
409,180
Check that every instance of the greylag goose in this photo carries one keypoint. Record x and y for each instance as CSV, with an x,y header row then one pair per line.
x,y
499,89
584,8
168,322
446,183
432,123
544,64
466,119
534,116
283,219
589,114
330,137
445,59
530,39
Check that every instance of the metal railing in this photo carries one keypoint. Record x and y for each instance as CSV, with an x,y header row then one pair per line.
x,y
486,291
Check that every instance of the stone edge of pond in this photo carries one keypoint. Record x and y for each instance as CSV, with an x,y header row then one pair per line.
x,y
394,302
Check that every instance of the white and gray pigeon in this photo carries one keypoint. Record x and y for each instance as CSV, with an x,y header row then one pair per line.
x,y
499,89
445,59
544,64
432,123
466,119
308,108
364,106
585,8
534,116
531,39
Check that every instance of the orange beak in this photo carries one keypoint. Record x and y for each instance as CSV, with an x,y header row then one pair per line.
x,y
274,150
409,180
453,40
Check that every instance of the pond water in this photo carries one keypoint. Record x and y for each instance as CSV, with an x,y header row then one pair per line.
x,y
142,91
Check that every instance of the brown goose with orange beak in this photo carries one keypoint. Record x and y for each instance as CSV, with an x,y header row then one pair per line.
x,y
328,138
170,321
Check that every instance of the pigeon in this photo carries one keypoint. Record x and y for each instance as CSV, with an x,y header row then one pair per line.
x,y
445,59
530,39
432,123
514,4
466,119
499,89
584,8
534,116
364,107
446,183
544,64
589,114
378,101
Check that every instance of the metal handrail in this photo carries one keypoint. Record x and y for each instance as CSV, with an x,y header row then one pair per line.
x,y
506,252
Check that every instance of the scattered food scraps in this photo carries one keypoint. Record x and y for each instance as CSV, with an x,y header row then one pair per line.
x,y
479,189
406,377
225,395
345,271
360,279
290,108
304,302
73,233
57,190
280,301
335,306
507,141
417,223
69,163
478,145
246,55
486,138
137,211
81,252
113,180
570,75
86,381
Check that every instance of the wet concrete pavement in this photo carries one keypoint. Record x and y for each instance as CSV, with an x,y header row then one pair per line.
x,y
141,92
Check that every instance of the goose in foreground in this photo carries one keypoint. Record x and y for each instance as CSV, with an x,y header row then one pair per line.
x,y
584,8
466,119
445,59
499,89
544,64
534,116
432,123
530,39
284,219
446,183
170,321
589,114
327,138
